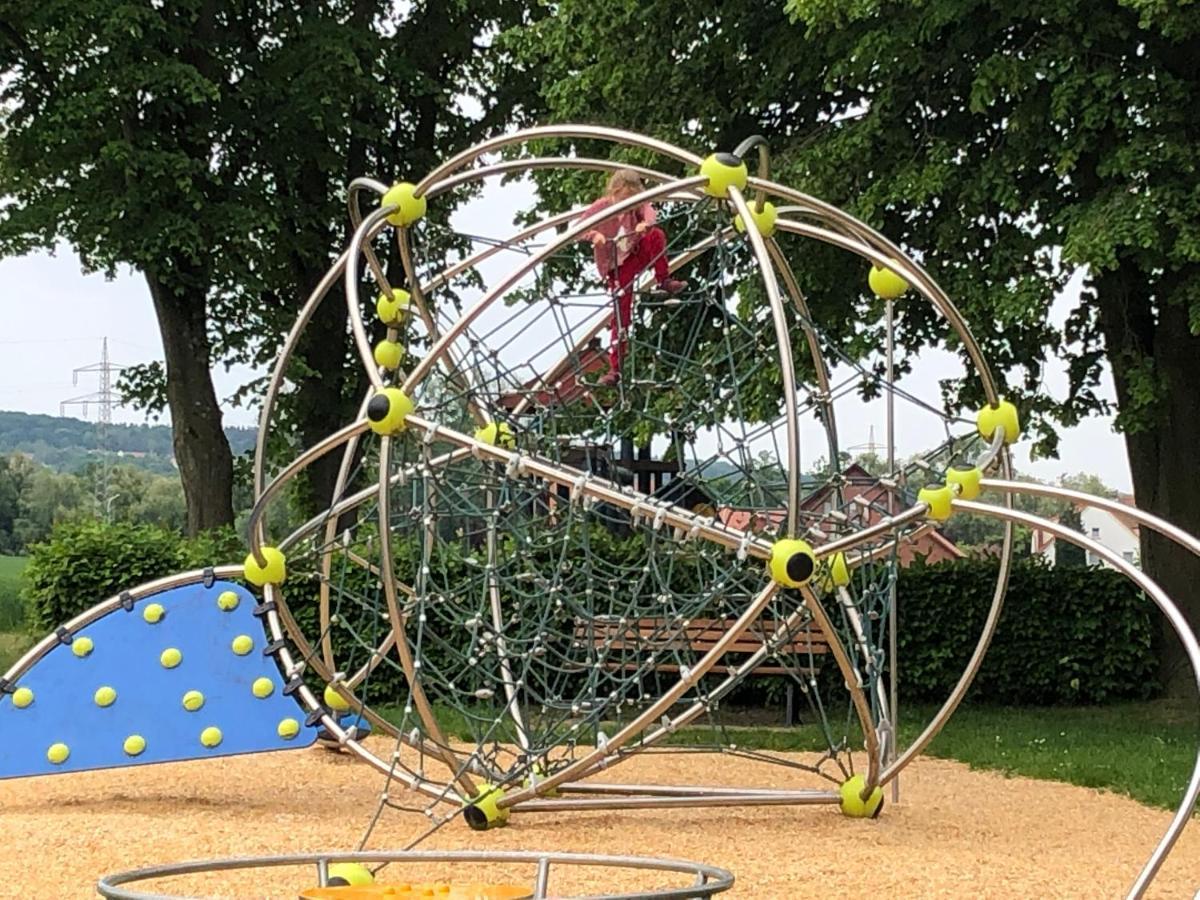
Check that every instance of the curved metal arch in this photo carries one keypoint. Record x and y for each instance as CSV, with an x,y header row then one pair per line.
x,y
586,132
1182,630
570,235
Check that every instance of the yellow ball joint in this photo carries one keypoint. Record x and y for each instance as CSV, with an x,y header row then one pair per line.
x,y
886,284
764,221
498,434
409,207
388,355
272,571
938,498
482,812
792,562
853,804
1002,416
392,310
723,171
334,700
349,875
536,776
967,478
837,573
387,411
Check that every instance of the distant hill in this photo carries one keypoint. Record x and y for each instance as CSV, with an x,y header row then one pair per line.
x,y
67,445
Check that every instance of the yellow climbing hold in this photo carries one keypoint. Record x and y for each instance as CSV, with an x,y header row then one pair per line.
x,y
105,696
170,658
193,700
211,736
153,613
82,646
58,753
262,688
288,729
134,745
22,697
274,571
242,644
227,601
886,284
409,206
334,700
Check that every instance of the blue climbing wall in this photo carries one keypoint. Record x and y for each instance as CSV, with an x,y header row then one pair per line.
x,y
182,675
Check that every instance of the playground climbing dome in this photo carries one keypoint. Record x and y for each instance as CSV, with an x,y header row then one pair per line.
x,y
538,571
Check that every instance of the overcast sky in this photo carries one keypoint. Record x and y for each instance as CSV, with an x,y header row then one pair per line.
x,y
55,318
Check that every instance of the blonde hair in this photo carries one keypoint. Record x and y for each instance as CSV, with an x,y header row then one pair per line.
x,y
623,178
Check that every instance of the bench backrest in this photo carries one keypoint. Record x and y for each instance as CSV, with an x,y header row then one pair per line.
x,y
698,635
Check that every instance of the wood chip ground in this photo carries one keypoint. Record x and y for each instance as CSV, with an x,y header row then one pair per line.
x,y
956,833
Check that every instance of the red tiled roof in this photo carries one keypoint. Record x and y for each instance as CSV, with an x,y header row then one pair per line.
x,y
562,385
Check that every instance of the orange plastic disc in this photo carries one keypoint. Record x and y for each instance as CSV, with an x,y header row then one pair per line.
x,y
431,890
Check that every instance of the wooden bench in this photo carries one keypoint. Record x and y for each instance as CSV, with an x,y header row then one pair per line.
x,y
627,644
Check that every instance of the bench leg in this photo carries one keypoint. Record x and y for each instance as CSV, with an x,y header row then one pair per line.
x,y
791,696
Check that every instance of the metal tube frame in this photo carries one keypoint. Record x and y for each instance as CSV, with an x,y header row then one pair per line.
x,y
707,880
850,234
1178,622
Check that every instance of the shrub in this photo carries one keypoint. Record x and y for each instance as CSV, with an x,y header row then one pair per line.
x,y
1066,634
12,608
85,562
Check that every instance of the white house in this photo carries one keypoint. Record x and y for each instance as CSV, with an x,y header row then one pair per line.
x,y
1115,531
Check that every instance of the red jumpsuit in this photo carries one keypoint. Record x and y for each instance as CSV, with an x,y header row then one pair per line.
x,y
623,256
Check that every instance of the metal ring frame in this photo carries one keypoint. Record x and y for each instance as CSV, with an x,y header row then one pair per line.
x,y
814,219
707,880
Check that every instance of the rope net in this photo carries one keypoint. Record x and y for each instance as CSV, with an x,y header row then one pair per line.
x,y
541,620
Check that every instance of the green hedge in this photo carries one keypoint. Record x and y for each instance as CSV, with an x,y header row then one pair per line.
x,y
1067,635
86,562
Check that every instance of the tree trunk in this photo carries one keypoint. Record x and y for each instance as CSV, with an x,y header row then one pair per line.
x,y
1162,454
201,448
330,394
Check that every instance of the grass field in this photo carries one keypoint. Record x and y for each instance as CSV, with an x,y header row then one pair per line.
x,y
11,610
12,641
1143,750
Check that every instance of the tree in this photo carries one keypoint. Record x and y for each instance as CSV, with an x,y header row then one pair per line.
x,y
49,498
1012,145
206,144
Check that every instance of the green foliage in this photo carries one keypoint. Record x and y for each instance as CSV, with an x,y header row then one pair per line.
x,y
85,562
12,609
67,445
176,139
33,498
1067,634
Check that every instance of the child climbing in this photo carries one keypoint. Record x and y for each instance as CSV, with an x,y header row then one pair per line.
x,y
624,247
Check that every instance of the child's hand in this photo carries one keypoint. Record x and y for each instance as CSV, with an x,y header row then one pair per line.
x,y
641,227
598,240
